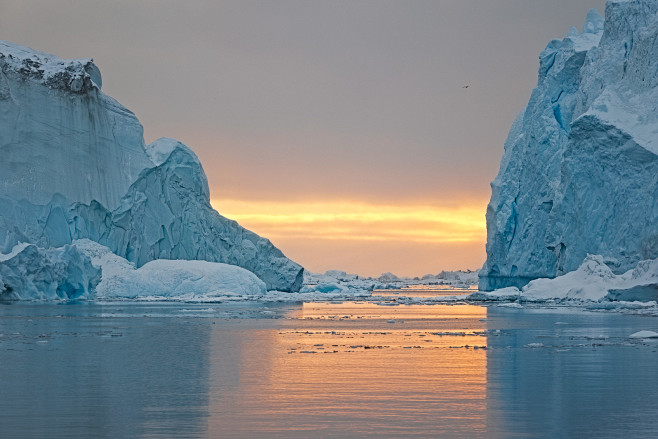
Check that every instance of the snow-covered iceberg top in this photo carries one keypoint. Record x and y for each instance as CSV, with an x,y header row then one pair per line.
x,y
160,150
590,35
60,136
75,75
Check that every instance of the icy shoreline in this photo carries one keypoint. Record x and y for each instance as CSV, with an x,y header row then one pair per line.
x,y
87,271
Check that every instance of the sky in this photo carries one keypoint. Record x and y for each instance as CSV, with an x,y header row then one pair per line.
x,y
355,135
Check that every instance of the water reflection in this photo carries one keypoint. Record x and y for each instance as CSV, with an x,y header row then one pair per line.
x,y
324,370
556,373
357,369
426,291
67,371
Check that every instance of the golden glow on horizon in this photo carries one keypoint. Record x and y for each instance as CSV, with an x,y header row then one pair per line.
x,y
358,221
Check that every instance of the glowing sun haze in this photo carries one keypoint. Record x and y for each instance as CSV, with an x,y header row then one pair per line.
x,y
328,233
341,130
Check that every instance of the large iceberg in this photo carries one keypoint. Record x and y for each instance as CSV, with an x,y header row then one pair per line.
x,y
60,134
579,174
75,166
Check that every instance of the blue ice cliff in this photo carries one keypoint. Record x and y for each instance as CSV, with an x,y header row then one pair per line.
x,y
579,174
74,166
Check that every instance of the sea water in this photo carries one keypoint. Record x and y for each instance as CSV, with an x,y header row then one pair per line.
x,y
351,369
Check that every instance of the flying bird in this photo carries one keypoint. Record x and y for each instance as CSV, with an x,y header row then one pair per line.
x,y
465,86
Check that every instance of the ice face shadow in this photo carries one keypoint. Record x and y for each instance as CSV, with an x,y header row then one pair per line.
x,y
560,373
107,372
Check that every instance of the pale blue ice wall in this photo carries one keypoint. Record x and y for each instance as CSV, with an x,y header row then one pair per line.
x,y
580,171
73,164
60,134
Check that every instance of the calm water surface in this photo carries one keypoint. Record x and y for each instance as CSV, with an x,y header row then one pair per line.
x,y
323,370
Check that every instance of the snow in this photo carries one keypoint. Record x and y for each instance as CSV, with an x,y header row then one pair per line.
x,y
593,281
580,168
160,150
50,69
644,334
589,282
16,250
170,278
88,270
75,166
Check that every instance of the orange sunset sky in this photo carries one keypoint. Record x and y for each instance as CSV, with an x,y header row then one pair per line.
x,y
341,130
405,238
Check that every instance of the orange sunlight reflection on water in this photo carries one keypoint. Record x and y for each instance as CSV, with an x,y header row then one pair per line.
x,y
355,369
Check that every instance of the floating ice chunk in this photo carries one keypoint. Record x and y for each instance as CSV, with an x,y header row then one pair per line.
x,y
327,287
168,278
32,273
502,294
388,277
644,334
590,282
510,305
341,275
593,281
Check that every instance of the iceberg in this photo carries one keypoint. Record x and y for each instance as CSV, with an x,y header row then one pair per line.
x,y
162,278
60,134
580,169
30,272
166,214
593,281
644,334
337,281
75,166
86,270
